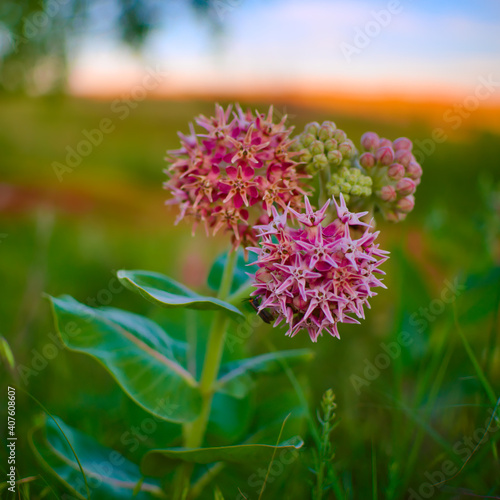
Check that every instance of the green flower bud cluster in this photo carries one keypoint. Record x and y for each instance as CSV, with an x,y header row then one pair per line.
x,y
324,146
383,176
349,182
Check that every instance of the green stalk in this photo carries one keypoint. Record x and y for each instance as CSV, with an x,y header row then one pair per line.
x,y
324,178
211,365
242,293
194,432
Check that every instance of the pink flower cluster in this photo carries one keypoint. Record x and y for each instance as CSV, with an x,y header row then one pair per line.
x,y
230,176
313,277
395,174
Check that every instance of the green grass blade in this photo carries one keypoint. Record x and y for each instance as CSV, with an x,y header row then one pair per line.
x,y
477,367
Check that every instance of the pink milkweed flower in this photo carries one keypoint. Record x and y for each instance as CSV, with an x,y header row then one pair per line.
x,y
231,177
313,277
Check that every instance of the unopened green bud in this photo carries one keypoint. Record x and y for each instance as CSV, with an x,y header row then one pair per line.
x,y
333,189
356,190
365,181
320,162
345,187
317,148
334,157
312,128
307,139
346,148
324,134
330,145
326,131
340,135
305,156
330,125
353,175
350,182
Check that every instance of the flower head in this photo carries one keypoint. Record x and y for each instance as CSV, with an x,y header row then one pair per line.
x,y
323,147
395,174
230,177
314,277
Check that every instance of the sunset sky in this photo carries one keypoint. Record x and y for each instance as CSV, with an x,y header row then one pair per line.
x,y
426,47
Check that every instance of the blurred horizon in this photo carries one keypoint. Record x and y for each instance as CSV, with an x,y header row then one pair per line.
x,y
411,51
402,48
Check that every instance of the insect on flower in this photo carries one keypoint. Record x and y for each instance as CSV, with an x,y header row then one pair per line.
x,y
265,315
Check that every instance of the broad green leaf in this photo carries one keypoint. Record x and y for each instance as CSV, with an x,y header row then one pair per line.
x,y
158,462
109,475
239,276
277,402
148,331
238,376
229,420
166,292
190,328
135,353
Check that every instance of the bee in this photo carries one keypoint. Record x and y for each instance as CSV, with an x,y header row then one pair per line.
x,y
265,315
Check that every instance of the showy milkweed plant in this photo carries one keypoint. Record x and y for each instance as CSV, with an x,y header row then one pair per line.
x,y
298,212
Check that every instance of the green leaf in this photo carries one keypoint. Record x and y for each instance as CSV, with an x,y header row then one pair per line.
x,y
166,292
237,378
148,331
109,475
229,420
135,353
239,277
158,462
274,403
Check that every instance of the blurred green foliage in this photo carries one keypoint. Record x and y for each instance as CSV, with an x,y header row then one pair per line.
x,y
70,236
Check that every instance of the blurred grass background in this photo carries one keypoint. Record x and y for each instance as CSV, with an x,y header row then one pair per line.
x,y
108,214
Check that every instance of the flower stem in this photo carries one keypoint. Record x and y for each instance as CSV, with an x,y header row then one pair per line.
x,y
194,432
211,365
242,293
324,178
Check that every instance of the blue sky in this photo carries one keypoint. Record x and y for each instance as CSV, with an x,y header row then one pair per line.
x,y
286,44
